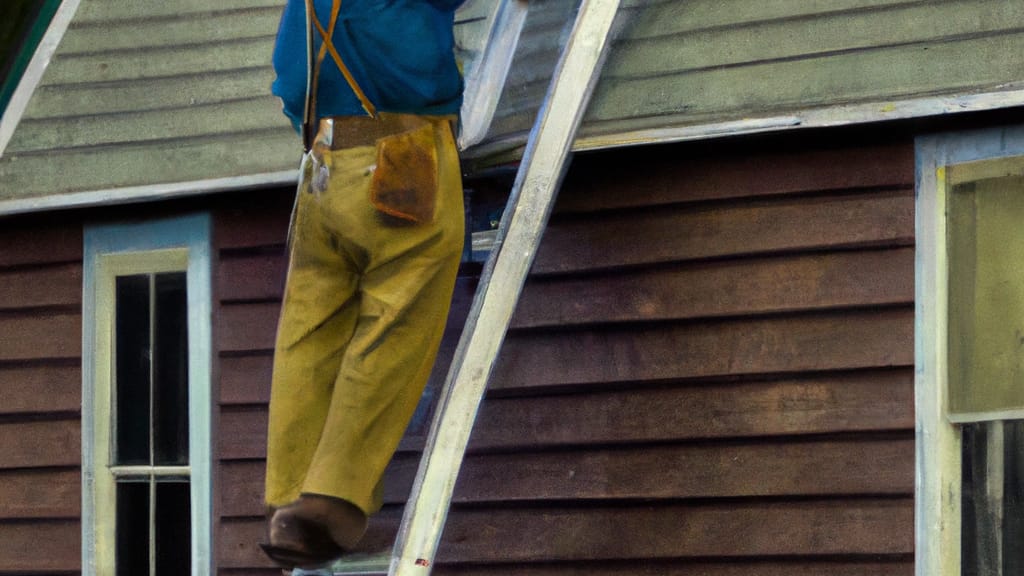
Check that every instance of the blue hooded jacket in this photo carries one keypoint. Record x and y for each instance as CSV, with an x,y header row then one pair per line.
x,y
401,53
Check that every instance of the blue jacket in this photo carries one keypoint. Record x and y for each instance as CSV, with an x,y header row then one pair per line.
x,y
401,53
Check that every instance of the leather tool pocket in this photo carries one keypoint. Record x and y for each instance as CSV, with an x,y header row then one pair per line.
x,y
404,183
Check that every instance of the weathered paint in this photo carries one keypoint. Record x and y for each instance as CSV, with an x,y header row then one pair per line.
x,y
144,96
938,456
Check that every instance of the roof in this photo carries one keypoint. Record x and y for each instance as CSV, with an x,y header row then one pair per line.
x,y
155,98
148,99
703,68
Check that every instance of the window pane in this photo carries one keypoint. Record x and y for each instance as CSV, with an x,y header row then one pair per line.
x,y
133,529
986,296
132,371
173,529
170,372
993,499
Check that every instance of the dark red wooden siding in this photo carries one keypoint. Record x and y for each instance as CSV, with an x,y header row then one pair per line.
x,y
710,372
40,395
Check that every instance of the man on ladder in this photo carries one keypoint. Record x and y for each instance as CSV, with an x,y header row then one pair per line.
x,y
321,522
375,245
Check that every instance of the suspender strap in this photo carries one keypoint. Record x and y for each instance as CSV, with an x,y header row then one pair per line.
x,y
327,47
367,105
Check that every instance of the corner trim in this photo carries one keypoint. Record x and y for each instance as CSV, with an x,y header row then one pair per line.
x,y
34,72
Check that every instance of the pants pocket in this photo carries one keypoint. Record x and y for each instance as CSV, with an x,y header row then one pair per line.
x,y
405,181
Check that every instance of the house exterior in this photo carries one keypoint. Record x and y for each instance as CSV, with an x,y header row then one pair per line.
x,y
733,354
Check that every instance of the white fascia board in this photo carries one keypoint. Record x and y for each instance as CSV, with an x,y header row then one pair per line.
x,y
831,116
34,72
824,117
149,193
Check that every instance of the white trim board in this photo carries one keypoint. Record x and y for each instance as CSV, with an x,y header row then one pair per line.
x,y
147,193
823,117
34,72
937,446
181,243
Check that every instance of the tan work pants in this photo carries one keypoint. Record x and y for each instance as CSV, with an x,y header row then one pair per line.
x,y
364,308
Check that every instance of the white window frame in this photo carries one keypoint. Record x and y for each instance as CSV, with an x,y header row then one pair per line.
x,y
174,244
938,437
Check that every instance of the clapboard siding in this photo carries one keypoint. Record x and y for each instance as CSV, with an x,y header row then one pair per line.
x,y
178,60
46,135
685,51
722,231
48,387
183,28
142,93
755,529
813,528
38,336
111,99
41,547
115,10
736,287
40,395
883,73
676,351
652,18
688,174
42,493
711,359
862,401
707,470
41,443
746,393
858,402
41,286
35,242
102,167
705,62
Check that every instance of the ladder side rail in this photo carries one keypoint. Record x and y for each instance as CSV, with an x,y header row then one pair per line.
x,y
486,79
540,174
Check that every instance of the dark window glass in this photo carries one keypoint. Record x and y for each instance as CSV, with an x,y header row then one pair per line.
x,y
173,529
132,370
992,501
151,416
170,371
133,529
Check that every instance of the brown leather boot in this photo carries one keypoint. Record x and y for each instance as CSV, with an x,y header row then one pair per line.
x,y
298,543
344,521
313,531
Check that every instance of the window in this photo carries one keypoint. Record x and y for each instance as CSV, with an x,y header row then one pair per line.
x,y
147,493
970,354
